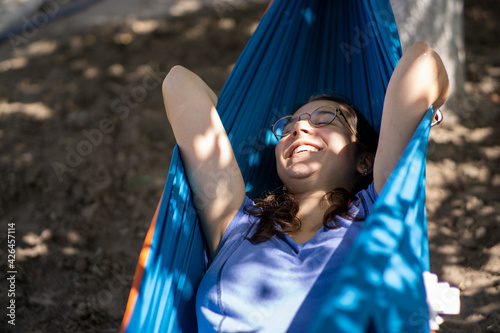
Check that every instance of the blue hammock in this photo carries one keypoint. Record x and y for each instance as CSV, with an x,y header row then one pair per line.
x,y
301,48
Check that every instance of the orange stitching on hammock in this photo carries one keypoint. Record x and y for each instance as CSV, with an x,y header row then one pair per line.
x,y
134,291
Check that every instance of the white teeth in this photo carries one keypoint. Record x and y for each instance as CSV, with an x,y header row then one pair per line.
x,y
303,148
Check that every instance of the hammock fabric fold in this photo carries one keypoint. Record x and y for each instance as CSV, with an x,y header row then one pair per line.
x,y
301,48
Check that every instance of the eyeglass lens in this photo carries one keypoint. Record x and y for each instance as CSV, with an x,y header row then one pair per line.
x,y
318,118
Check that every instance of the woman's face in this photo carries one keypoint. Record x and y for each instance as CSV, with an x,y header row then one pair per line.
x,y
318,158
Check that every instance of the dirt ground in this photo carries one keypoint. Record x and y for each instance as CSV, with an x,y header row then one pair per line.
x,y
85,148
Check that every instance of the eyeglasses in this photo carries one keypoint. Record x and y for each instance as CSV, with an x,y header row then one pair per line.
x,y
320,117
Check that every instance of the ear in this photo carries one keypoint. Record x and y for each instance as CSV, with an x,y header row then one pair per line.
x,y
365,163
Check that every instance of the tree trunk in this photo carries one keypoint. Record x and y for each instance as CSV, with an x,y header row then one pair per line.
x,y
439,23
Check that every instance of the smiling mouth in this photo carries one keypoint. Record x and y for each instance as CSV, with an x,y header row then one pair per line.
x,y
303,149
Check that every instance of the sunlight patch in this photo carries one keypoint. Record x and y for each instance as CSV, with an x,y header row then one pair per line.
x,y
37,110
184,7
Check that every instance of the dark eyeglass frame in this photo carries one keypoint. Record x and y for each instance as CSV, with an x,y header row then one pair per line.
x,y
287,119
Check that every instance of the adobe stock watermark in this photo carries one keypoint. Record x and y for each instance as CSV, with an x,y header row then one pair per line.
x,y
218,185
31,25
121,107
445,301
257,143
463,105
11,273
114,287
224,6
363,36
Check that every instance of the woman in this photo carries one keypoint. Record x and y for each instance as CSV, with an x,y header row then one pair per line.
x,y
274,259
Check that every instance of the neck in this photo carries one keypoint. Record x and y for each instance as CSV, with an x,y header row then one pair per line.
x,y
312,208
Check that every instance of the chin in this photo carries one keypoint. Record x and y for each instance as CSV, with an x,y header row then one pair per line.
x,y
296,172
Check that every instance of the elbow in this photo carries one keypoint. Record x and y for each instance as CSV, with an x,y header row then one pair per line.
x,y
171,88
422,47
439,77
173,78
431,63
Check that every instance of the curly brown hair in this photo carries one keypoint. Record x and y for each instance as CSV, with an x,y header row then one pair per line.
x,y
277,210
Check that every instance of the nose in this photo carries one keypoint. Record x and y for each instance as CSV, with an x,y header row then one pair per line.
x,y
301,126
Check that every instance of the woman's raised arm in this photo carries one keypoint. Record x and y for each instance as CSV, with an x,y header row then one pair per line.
x,y
206,152
419,81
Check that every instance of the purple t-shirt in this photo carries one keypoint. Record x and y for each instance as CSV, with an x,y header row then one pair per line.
x,y
277,285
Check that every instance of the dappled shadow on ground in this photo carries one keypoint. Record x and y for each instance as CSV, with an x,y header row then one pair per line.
x,y
85,147
464,181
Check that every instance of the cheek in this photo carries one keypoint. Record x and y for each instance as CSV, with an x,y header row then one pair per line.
x,y
341,149
278,150
337,141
